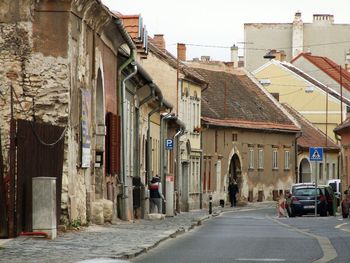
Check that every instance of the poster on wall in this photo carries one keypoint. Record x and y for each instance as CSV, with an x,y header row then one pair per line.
x,y
85,131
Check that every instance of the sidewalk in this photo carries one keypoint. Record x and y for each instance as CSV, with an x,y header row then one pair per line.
x,y
121,240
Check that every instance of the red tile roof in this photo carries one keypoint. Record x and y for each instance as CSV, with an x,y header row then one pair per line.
x,y
235,100
311,136
341,127
329,67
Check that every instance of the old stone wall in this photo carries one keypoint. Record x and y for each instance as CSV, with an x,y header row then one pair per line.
x,y
40,83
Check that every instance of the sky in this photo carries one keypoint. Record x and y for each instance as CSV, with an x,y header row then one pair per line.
x,y
210,27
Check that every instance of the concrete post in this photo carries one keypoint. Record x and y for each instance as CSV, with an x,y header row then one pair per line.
x,y
44,205
169,195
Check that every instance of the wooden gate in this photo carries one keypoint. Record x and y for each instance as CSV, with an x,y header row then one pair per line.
x,y
40,153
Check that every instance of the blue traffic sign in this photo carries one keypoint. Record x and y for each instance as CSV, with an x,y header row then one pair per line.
x,y
169,144
316,154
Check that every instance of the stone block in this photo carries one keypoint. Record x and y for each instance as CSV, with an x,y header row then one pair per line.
x,y
97,213
107,210
154,216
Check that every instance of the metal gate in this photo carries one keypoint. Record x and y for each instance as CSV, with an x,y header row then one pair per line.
x,y
40,153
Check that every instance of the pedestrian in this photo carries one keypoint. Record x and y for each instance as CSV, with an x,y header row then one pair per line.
x,y
156,195
345,204
233,190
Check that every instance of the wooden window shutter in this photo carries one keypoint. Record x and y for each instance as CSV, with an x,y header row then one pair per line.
x,y
113,144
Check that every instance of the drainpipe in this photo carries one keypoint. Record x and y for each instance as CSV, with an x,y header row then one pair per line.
x,y
297,175
121,102
178,165
162,148
149,143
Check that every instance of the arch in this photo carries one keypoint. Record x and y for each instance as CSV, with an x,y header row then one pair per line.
x,y
304,171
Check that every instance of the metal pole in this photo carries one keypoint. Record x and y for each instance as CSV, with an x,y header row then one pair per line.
x,y
316,189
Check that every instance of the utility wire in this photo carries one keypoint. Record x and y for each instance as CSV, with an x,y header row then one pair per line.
x,y
34,131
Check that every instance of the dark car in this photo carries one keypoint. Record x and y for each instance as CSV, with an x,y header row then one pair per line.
x,y
303,201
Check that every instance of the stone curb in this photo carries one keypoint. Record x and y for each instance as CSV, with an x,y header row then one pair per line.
x,y
176,233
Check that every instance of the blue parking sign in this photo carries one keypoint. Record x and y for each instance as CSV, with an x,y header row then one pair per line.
x,y
169,144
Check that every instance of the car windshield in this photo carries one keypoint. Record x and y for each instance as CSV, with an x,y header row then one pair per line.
x,y
306,191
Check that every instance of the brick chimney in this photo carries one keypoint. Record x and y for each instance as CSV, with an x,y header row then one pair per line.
x,y
347,61
280,55
181,51
159,41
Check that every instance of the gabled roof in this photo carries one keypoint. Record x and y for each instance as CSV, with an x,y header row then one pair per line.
x,y
238,100
311,136
328,66
172,61
313,81
341,127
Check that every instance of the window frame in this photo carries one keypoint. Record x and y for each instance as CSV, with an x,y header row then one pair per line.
x,y
274,159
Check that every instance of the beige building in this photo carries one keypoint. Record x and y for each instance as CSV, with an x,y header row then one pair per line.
x,y
317,102
321,37
246,135
326,169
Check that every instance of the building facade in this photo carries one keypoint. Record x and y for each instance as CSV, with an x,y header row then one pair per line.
x,y
246,136
321,37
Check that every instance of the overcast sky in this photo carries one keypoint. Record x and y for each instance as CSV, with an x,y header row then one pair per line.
x,y
220,22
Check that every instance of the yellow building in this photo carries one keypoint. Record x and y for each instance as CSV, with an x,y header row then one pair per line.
x,y
318,103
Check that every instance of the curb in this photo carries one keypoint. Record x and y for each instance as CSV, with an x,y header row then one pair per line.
x,y
178,232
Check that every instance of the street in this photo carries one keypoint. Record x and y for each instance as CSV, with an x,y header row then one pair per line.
x,y
258,236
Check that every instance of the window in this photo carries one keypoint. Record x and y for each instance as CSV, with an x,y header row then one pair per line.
x,y
251,158
274,159
327,171
320,171
234,137
286,159
261,158
333,171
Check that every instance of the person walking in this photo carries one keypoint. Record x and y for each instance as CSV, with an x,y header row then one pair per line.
x,y
156,195
345,204
233,190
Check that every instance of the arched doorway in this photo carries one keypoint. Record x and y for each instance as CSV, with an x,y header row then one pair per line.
x,y
304,171
235,171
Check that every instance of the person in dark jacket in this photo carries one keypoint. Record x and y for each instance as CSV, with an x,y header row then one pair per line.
x,y
232,191
156,195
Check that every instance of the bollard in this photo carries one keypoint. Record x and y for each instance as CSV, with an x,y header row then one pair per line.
x,y
210,204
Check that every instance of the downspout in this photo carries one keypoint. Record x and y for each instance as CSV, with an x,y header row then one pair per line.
x,y
149,143
120,99
178,167
162,148
124,117
297,176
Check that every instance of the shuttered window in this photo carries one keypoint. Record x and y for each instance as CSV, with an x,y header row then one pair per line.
x,y
113,144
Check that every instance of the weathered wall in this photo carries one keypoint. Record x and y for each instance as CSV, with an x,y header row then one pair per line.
x,y
266,179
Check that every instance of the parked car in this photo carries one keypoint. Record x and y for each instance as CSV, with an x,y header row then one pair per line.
x,y
302,201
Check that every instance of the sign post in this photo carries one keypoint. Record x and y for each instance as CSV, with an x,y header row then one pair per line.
x,y
316,155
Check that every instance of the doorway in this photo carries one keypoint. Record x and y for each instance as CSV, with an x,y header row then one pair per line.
x,y
235,172
304,171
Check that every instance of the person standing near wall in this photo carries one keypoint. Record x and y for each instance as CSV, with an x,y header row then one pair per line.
x,y
156,195
233,190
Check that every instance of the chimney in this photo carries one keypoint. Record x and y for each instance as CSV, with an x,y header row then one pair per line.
x,y
323,18
280,55
181,52
159,42
234,56
347,61
205,58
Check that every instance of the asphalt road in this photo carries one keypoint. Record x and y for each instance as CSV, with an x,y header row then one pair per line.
x,y
257,236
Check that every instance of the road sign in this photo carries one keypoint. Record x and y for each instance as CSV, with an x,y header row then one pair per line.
x,y
316,154
169,144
